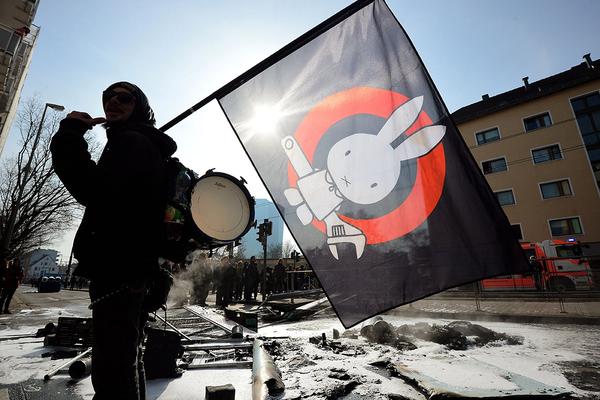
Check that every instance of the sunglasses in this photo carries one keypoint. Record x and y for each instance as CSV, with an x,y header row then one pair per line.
x,y
122,97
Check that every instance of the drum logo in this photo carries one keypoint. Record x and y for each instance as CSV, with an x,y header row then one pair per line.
x,y
364,168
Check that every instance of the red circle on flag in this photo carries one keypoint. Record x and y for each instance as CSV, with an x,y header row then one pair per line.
x,y
431,168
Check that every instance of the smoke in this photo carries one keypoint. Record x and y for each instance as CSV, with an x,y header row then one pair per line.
x,y
191,285
180,292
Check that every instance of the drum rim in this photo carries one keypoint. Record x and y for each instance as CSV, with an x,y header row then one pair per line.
x,y
240,184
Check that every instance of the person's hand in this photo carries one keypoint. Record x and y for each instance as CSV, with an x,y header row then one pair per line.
x,y
87,118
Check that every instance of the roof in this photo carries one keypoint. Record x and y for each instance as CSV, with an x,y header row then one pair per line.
x,y
575,76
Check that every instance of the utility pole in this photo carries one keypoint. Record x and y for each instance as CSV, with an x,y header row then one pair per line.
x,y
68,272
295,256
264,230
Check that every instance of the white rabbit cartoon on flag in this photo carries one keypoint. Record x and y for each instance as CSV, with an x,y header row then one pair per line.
x,y
361,168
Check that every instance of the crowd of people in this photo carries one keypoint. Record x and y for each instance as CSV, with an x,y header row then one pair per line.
x,y
76,282
240,280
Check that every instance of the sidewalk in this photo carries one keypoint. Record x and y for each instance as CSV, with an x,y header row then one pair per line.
x,y
550,311
17,303
515,310
544,311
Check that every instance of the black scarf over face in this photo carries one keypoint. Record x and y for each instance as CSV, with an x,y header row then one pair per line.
x,y
142,113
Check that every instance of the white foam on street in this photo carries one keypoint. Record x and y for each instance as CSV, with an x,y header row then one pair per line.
x,y
21,359
543,347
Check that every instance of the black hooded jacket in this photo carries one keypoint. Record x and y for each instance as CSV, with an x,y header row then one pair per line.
x,y
123,193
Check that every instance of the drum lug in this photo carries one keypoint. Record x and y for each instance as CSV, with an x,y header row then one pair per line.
x,y
209,172
243,180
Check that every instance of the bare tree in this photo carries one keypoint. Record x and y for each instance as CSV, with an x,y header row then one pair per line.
x,y
220,252
288,247
274,251
240,251
35,207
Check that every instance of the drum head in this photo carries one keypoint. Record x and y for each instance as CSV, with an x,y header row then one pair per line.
x,y
221,207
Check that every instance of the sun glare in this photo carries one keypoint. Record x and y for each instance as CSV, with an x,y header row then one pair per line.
x,y
265,119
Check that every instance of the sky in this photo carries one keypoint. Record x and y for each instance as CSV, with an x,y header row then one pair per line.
x,y
181,51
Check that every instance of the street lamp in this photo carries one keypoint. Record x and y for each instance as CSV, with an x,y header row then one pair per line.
x,y
10,223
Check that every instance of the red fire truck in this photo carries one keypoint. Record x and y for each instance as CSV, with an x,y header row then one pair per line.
x,y
559,265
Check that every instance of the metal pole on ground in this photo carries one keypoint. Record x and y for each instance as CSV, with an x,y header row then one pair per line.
x,y
170,325
53,372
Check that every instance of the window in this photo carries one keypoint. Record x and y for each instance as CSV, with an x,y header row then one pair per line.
x,y
537,122
546,154
497,165
517,231
9,40
566,226
587,112
491,135
569,251
505,197
555,189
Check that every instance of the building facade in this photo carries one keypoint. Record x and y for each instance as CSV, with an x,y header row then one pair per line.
x,y
39,262
539,148
17,39
264,209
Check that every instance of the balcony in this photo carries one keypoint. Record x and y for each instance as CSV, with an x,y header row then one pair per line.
x,y
15,49
11,38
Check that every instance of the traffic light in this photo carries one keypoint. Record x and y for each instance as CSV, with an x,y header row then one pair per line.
x,y
268,227
264,230
261,234
295,255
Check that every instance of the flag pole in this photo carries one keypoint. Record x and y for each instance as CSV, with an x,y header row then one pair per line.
x,y
271,60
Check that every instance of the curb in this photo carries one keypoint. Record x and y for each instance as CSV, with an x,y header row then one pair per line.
x,y
486,316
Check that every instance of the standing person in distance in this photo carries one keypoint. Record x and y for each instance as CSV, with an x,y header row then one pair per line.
x,y
251,280
117,243
12,279
3,270
279,275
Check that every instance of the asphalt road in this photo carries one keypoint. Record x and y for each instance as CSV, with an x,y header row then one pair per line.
x,y
33,310
30,311
30,308
32,299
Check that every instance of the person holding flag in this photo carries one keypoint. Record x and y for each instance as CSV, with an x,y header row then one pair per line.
x,y
121,230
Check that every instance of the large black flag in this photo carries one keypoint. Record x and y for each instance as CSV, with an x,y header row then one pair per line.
x,y
358,151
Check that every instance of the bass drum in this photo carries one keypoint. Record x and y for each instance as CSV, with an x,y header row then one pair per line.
x,y
222,209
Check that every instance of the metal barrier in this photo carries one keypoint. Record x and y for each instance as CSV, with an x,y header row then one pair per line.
x,y
301,280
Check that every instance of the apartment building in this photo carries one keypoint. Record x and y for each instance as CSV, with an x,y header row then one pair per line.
x,y
39,262
538,145
17,39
